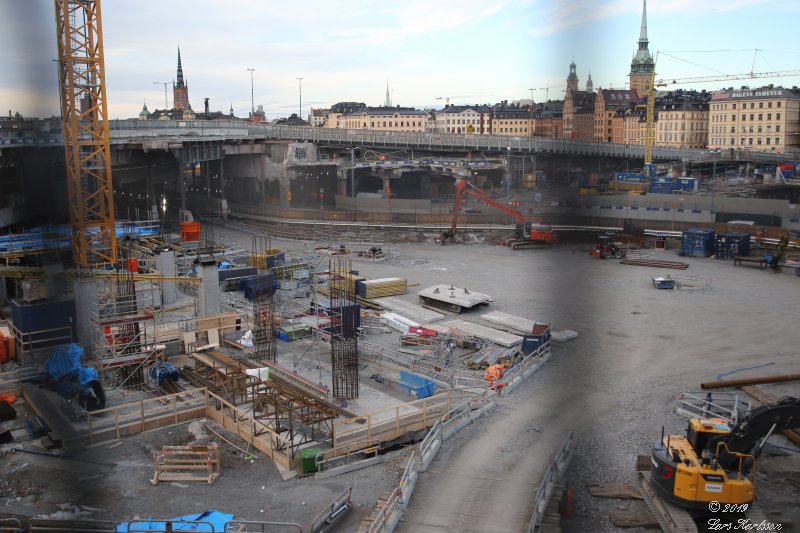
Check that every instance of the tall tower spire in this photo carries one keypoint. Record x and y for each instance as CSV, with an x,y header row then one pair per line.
x,y
572,79
388,101
180,89
642,65
643,29
180,70
589,84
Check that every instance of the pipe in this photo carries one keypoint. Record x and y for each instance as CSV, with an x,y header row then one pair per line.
x,y
779,378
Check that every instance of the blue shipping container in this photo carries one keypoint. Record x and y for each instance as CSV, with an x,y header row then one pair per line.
x,y
698,242
45,316
730,245
687,184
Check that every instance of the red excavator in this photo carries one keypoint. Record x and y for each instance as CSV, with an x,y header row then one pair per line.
x,y
526,234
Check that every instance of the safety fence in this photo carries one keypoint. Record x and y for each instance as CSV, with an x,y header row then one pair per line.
x,y
554,473
523,370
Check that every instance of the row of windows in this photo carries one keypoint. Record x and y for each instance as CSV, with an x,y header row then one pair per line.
x,y
759,129
674,126
721,118
720,107
400,124
674,116
674,137
720,141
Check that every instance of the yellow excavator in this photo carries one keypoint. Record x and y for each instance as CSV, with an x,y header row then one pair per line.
x,y
715,462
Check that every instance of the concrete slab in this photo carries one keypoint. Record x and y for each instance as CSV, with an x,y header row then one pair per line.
x,y
450,295
514,322
563,335
409,310
484,332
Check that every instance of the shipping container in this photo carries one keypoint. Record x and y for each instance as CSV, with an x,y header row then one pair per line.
x,y
698,242
687,184
731,245
55,319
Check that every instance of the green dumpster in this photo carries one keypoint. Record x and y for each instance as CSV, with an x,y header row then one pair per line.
x,y
308,459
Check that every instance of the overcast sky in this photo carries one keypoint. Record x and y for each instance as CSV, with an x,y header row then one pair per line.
x,y
473,51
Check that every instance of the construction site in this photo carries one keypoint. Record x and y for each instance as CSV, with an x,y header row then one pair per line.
x,y
252,368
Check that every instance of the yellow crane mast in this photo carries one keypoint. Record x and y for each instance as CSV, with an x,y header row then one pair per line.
x,y
85,121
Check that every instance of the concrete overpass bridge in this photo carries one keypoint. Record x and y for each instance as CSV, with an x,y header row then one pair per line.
x,y
204,162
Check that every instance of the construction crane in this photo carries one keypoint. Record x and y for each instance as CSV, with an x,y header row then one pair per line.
x,y
649,130
85,121
526,235
546,91
448,98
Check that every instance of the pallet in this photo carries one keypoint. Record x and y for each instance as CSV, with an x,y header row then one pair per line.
x,y
186,463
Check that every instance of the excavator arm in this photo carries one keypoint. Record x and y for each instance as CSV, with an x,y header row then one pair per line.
x,y
746,436
462,187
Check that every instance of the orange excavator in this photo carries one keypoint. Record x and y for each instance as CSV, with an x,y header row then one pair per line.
x,y
526,234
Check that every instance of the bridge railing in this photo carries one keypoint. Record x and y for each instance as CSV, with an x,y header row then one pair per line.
x,y
419,140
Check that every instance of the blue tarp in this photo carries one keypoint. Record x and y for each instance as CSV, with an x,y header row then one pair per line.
x,y
215,518
65,360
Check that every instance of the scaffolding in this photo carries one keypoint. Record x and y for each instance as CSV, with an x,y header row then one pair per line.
x,y
344,330
125,333
263,294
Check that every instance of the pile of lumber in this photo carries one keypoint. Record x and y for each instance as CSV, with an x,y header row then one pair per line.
x,y
654,263
379,288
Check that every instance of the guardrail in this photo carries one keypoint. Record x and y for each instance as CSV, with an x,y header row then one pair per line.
x,y
718,404
10,525
388,517
522,371
557,467
328,518
430,140
263,527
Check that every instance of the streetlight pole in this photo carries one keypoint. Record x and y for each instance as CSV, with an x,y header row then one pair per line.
x,y
252,94
300,83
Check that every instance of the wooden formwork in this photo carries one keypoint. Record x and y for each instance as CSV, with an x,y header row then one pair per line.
x,y
186,463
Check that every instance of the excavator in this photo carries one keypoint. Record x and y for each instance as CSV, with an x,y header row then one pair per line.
x,y
715,462
526,234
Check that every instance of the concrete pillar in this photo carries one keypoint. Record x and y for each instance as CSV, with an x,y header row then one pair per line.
x,y
165,263
56,284
208,291
182,186
85,293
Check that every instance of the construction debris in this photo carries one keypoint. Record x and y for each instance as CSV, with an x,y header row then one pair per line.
x,y
484,332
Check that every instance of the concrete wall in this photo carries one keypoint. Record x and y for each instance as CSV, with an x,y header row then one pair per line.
x,y
689,207
382,204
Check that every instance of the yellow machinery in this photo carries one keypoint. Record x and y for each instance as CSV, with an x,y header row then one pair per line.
x,y
715,462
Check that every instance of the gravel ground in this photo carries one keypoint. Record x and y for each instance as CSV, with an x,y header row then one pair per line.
x,y
614,387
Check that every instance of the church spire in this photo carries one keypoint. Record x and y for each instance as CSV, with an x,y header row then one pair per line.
x,y
180,69
589,84
388,101
643,30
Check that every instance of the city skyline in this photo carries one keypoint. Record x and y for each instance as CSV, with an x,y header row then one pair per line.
x,y
466,51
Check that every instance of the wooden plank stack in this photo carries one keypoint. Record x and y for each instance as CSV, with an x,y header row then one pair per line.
x,y
379,288
186,463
